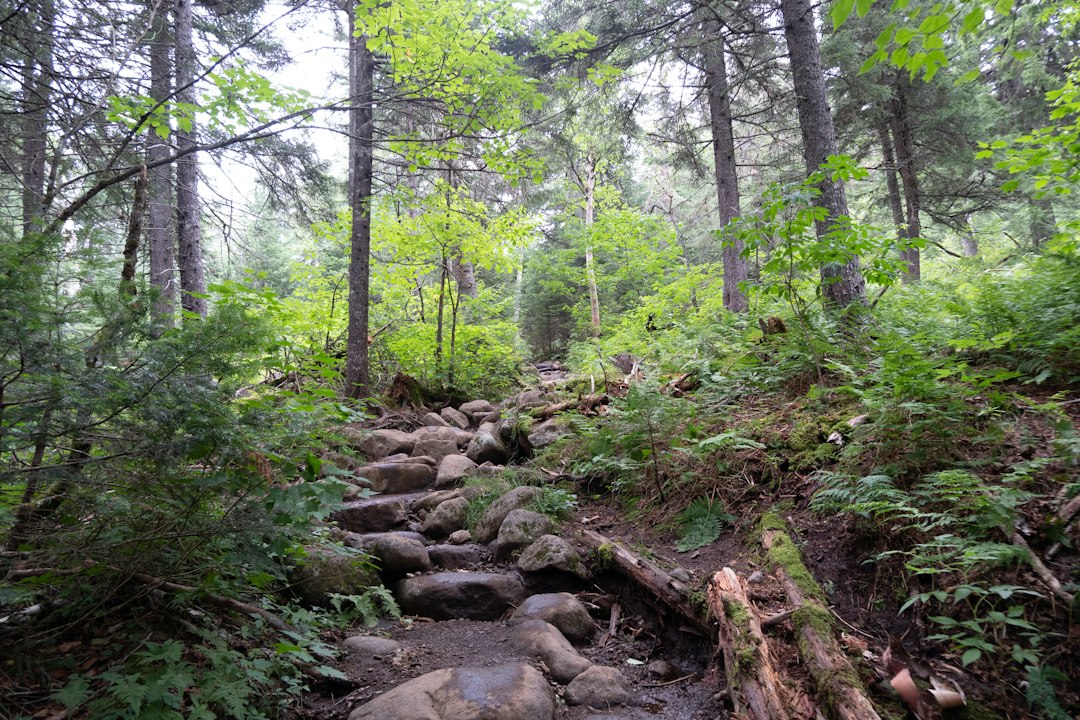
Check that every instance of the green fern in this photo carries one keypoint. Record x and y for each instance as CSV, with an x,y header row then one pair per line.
x,y
701,523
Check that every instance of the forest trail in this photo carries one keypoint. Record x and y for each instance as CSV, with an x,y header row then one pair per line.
x,y
589,618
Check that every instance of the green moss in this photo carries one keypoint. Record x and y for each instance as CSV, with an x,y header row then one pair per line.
x,y
746,652
771,521
784,554
602,557
815,458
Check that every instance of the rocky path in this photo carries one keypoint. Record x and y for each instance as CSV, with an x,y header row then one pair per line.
x,y
512,621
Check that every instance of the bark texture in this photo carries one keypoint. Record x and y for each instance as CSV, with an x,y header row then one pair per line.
x,y
160,226
726,170
843,284
361,164
188,226
589,187
37,74
753,681
904,141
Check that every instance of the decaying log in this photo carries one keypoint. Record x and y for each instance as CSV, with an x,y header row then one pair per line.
x,y
684,384
752,681
837,682
585,404
649,576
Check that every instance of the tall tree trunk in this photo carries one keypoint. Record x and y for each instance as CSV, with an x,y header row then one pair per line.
x,y
189,241
361,166
727,175
969,244
843,284
892,185
1043,220
160,231
590,266
36,99
905,162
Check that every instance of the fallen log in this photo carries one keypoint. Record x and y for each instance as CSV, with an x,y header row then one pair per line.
x,y
649,576
585,404
837,682
752,681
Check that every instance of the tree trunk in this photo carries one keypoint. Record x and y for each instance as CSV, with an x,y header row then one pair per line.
x,y
361,165
753,681
727,176
160,230
968,242
590,266
892,185
189,241
905,161
36,100
134,233
843,284
1043,220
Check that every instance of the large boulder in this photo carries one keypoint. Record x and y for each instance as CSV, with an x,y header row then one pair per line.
x,y
455,418
394,477
435,447
473,408
492,519
504,692
468,595
520,529
371,515
324,572
432,500
543,640
562,610
453,469
454,435
377,444
457,557
547,433
446,518
399,556
434,420
486,445
600,687
551,552
527,399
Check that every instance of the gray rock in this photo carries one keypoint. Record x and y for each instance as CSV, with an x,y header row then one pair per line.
x,y
455,435
453,469
490,470
562,610
421,459
392,478
551,552
436,448
399,555
681,575
547,433
493,517
455,418
446,518
503,692
540,639
338,460
323,572
486,445
430,500
492,417
468,595
371,515
370,646
434,420
519,530
363,541
600,687
377,444
505,429
460,537
456,557
527,399
476,407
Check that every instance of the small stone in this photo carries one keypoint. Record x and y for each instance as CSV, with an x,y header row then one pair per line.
x,y
460,537
680,574
600,687
370,646
433,420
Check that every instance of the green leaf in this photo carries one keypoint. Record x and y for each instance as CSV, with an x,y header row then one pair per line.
x,y
74,694
970,655
840,12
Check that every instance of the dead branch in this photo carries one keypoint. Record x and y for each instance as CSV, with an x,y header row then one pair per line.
x,y
586,404
1042,571
649,576
830,668
752,681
